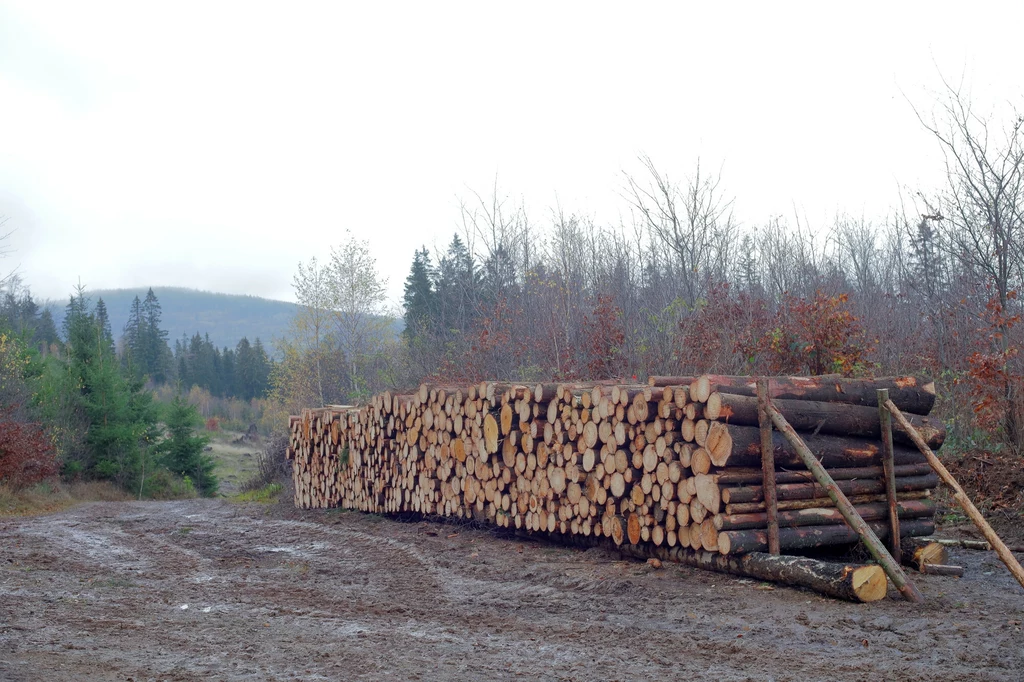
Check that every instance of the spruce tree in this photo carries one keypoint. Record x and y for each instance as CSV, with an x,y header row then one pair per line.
x,y
118,412
153,345
182,451
46,330
245,370
420,303
103,320
133,355
261,372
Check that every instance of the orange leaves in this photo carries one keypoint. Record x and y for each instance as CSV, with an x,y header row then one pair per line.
x,y
603,336
820,336
26,456
744,333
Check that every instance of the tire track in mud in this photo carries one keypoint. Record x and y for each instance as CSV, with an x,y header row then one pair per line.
x,y
273,593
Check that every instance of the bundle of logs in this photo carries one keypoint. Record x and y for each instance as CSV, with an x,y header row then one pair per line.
x,y
675,463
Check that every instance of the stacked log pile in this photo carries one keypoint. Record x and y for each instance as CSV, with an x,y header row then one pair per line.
x,y
675,463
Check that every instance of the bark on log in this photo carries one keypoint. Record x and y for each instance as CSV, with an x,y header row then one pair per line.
x,y
830,419
974,544
832,451
863,530
942,569
821,502
911,394
739,541
802,491
733,477
823,516
856,583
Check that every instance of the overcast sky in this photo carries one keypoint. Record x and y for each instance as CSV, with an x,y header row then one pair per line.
x,y
215,145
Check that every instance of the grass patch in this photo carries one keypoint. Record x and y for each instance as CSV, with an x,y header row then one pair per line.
x,y
49,496
268,494
236,461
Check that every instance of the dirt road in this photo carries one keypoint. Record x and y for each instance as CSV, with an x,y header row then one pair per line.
x,y
208,590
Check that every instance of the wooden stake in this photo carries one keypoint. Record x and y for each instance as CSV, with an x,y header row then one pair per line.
x,y
888,467
874,545
960,496
768,467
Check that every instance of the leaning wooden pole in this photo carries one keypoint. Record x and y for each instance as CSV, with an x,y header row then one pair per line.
x,y
768,467
960,496
871,541
889,470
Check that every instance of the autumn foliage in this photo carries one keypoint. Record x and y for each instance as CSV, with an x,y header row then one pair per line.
x,y
747,334
26,456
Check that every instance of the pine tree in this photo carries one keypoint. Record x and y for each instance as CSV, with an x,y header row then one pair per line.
x,y
420,298
182,451
103,320
118,413
458,287
227,372
133,355
261,374
153,345
46,330
245,370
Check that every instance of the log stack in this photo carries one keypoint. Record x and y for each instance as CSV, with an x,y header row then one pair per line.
x,y
673,463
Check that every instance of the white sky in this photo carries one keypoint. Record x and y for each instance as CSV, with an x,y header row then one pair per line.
x,y
215,145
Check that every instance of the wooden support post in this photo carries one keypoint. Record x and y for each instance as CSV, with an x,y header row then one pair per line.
x,y
889,471
889,565
960,496
768,466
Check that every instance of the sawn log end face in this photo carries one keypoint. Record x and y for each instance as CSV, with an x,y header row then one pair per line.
x,y
869,583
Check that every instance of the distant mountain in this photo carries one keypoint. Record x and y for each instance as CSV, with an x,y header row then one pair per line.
x,y
225,317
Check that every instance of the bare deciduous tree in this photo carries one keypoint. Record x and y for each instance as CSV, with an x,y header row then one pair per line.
x,y
694,221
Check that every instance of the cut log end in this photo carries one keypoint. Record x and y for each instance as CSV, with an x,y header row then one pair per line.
x,y
869,583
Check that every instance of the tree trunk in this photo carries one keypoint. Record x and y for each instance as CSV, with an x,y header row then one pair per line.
x,y
835,451
802,491
823,516
829,418
911,394
740,541
856,583
733,476
822,502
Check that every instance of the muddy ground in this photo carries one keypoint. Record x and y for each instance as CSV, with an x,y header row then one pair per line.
x,y
210,590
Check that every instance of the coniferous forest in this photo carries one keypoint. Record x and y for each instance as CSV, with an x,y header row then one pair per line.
x,y
81,400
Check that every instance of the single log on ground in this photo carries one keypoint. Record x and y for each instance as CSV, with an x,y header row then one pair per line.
x,y
973,544
857,583
740,541
824,516
910,394
942,569
801,491
830,418
850,582
832,451
918,551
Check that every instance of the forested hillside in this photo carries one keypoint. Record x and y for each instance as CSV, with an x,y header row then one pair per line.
x,y
227,318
